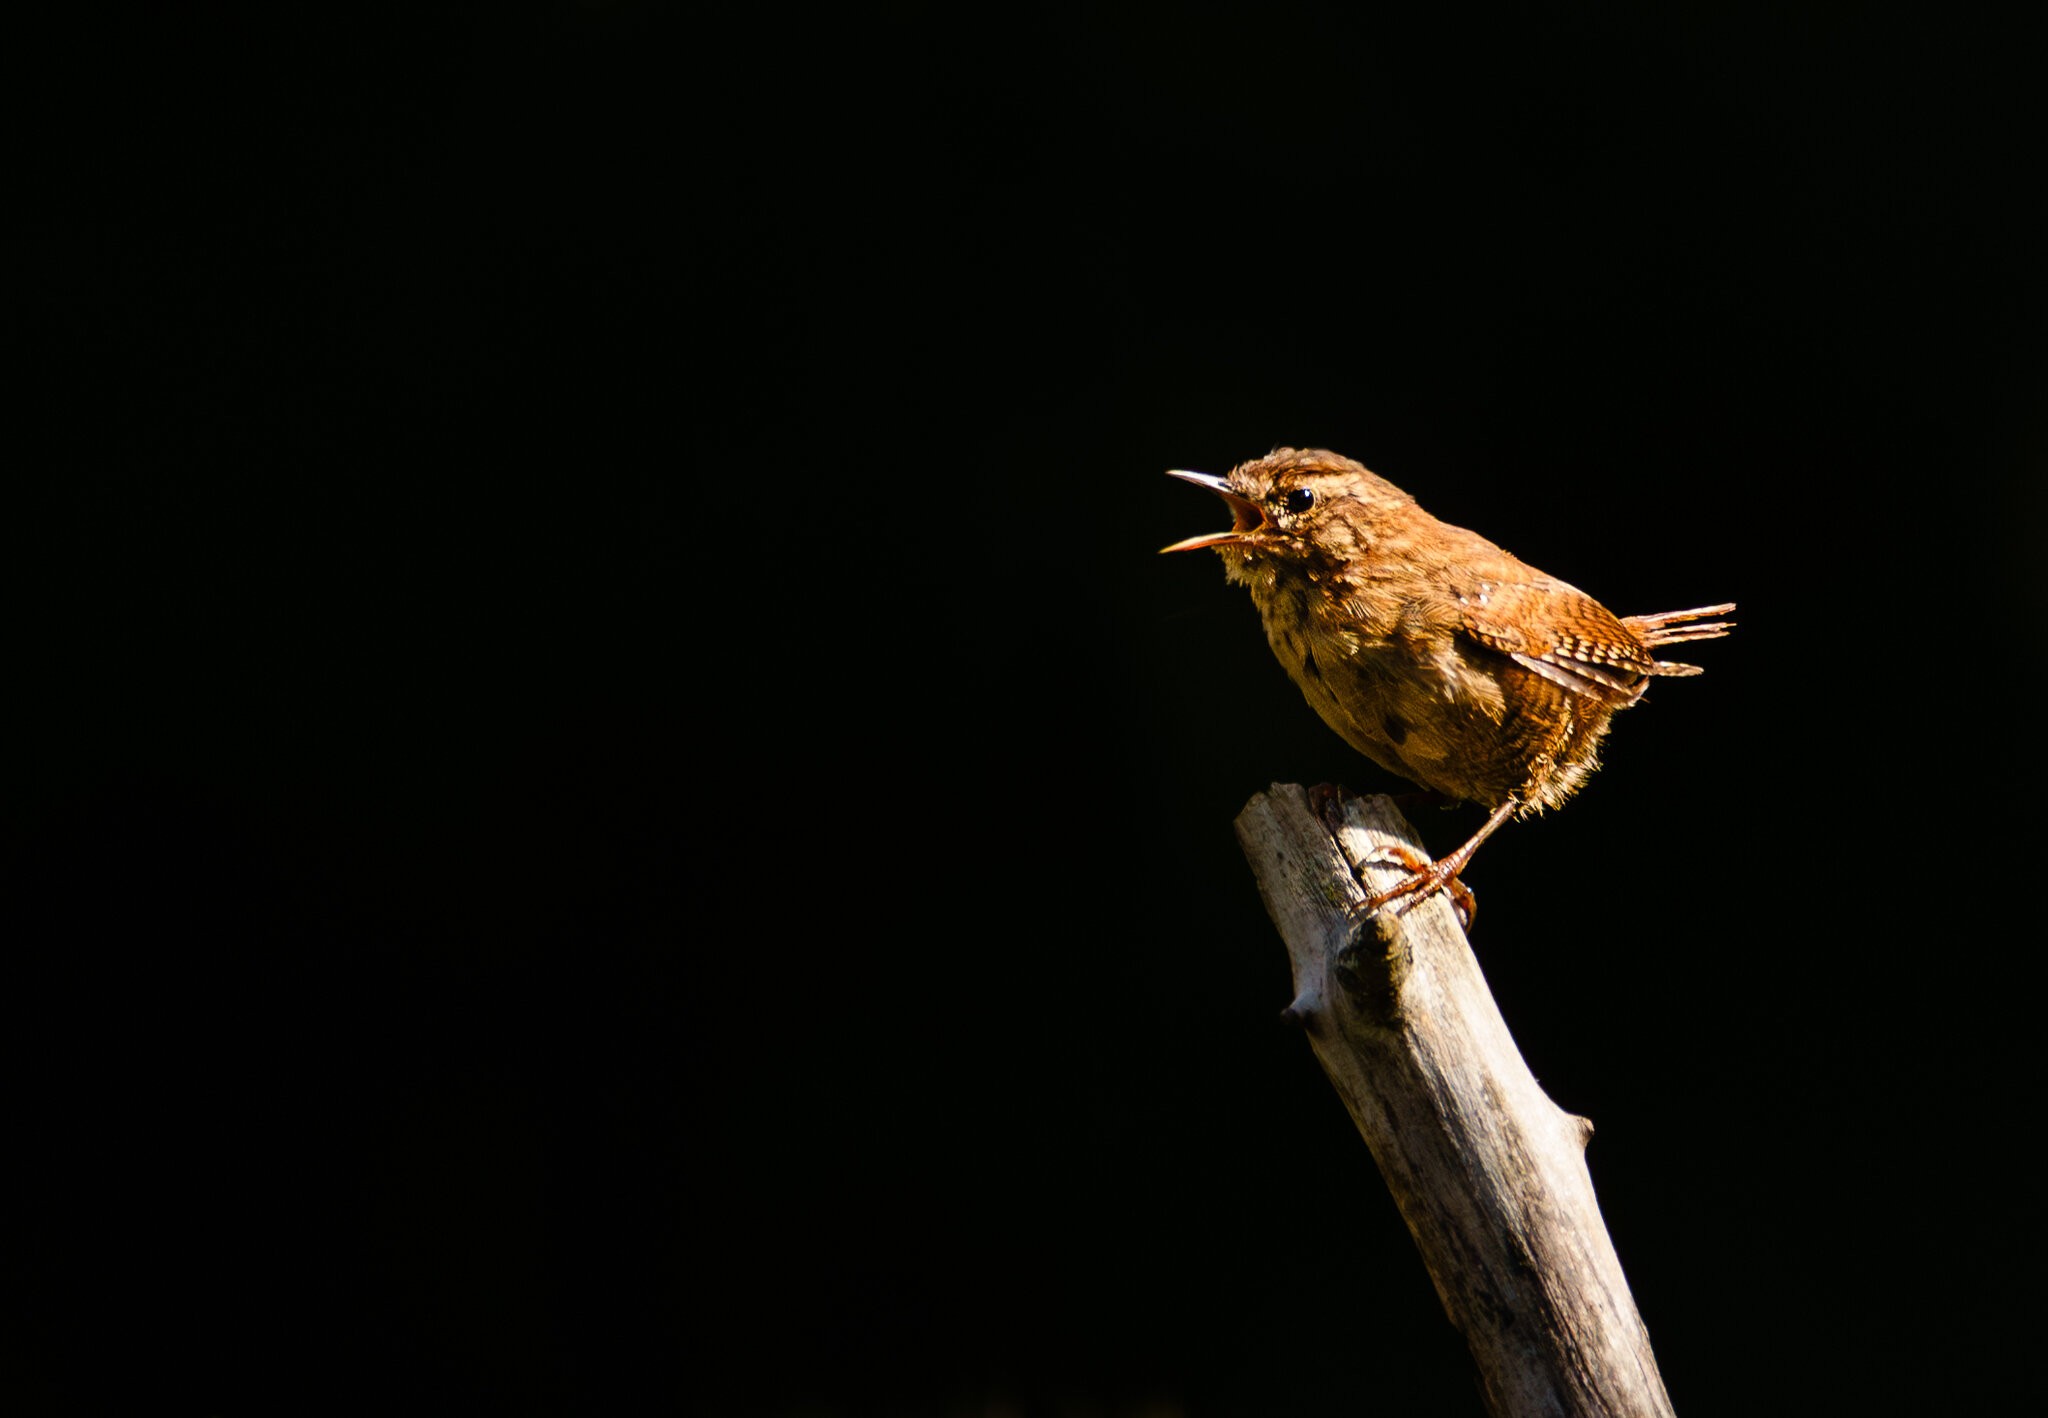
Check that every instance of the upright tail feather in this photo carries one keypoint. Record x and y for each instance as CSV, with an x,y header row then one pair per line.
x,y
1671,628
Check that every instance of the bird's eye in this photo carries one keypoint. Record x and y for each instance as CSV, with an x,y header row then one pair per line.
x,y
1298,499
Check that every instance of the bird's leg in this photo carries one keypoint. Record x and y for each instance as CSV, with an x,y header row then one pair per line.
x,y
1426,878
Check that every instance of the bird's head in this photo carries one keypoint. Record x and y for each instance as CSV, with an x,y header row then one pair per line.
x,y
1296,503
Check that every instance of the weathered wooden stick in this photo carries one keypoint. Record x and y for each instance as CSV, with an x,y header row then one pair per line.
x,y
1488,1172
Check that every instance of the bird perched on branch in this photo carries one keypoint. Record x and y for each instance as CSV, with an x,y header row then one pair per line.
x,y
1429,649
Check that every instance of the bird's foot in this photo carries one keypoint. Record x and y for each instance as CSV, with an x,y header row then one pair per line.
x,y
1425,879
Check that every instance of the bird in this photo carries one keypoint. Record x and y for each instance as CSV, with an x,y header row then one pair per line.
x,y
1430,650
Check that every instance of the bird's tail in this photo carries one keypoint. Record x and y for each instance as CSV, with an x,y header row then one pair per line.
x,y
1672,628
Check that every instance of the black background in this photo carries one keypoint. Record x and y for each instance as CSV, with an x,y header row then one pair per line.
x,y
612,810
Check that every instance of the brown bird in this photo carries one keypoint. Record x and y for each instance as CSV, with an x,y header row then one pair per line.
x,y
1429,649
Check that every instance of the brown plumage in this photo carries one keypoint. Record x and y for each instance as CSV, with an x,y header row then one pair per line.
x,y
1429,649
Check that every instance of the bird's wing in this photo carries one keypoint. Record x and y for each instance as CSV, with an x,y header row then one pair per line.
x,y
1560,633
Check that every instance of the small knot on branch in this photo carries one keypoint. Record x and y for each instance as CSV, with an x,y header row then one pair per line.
x,y
1302,1013
1373,964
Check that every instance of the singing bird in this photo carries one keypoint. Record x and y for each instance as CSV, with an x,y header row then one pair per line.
x,y
1430,650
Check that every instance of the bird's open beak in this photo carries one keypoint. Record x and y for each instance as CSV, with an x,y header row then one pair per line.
x,y
1246,518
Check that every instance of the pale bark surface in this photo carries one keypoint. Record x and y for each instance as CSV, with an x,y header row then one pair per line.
x,y
1489,1174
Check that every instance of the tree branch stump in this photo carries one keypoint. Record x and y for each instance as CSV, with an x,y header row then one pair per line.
x,y
1489,1174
